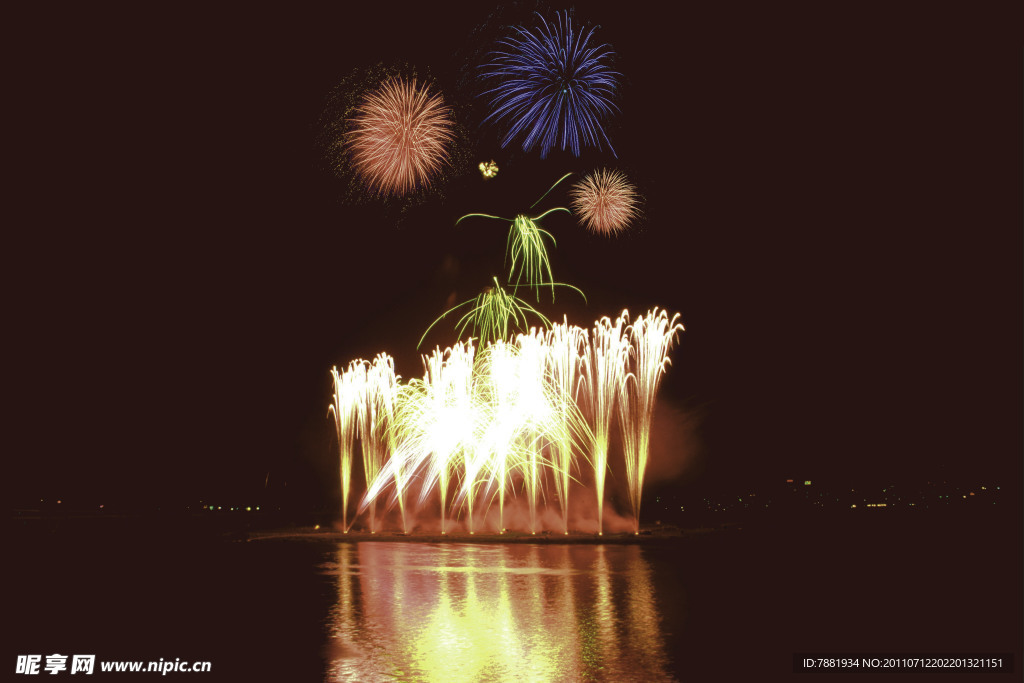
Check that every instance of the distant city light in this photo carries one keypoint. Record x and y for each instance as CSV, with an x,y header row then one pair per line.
x,y
807,483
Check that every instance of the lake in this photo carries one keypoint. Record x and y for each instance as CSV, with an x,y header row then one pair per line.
x,y
722,605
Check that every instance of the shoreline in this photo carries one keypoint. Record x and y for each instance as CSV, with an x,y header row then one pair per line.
x,y
518,537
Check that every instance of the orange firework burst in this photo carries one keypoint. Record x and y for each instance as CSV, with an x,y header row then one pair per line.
x,y
605,202
399,137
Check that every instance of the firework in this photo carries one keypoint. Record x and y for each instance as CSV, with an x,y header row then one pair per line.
x,y
399,137
566,346
605,373
605,202
376,414
347,388
488,169
430,429
526,249
553,86
483,425
494,314
652,337
540,411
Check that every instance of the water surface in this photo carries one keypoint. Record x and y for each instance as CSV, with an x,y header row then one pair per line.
x,y
493,613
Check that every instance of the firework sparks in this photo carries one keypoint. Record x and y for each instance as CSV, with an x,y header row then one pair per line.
x,y
507,418
488,169
399,137
494,315
566,346
605,202
553,86
375,416
526,247
606,371
344,409
652,337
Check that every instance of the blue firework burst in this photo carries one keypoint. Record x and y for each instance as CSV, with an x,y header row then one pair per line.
x,y
552,87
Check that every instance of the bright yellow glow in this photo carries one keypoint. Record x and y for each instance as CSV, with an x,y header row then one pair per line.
x,y
488,169
652,337
512,419
472,613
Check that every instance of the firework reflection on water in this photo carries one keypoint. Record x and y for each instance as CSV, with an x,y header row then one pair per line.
x,y
503,612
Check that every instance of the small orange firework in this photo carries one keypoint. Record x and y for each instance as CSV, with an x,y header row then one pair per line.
x,y
399,137
605,202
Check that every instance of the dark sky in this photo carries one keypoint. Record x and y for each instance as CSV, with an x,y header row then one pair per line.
x,y
832,203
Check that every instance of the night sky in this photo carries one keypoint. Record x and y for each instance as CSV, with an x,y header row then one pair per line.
x,y
832,202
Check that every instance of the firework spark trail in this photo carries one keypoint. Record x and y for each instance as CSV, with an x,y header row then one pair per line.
x,y
347,388
565,354
605,372
386,387
652,337
408,431
372,446
495,415
447,383
605,201
495,313
496,400
537,408
375,417
399,137
493,316
552,86
458,383
511,413
432,429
